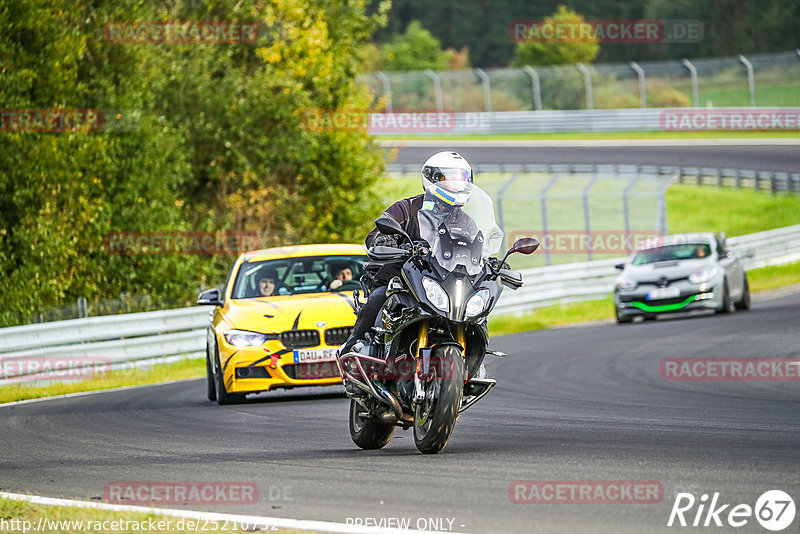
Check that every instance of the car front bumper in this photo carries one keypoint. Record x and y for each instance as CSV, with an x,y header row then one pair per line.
x,y
270,366
634,302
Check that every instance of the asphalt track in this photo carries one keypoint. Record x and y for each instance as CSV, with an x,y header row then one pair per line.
x,y
579,403
757,155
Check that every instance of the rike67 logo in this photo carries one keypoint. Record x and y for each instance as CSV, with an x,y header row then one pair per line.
x,y
774,510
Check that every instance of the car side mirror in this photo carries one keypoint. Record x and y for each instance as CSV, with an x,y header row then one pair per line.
x,y
620,266
209,297
387,225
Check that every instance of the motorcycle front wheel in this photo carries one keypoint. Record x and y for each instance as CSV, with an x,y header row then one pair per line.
x,y
368,433
435,418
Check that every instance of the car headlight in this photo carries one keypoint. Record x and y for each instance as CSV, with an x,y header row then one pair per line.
x,y
626,283
435,294
477,303
243,338
703,275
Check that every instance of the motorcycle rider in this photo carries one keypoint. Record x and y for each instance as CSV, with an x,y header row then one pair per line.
x,y
449,166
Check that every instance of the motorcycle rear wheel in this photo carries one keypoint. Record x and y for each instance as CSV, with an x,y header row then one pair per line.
x,y
435,418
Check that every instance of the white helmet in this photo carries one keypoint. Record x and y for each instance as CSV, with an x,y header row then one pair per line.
x,y
447,177
446,166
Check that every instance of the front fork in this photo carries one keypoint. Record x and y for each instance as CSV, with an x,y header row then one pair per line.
x,y
423,358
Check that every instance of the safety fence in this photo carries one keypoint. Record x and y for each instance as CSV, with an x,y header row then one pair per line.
x,y
755,80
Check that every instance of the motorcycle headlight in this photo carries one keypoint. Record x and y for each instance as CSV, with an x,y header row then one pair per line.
x,y
243,338
477,303
435,294
703,275
626,283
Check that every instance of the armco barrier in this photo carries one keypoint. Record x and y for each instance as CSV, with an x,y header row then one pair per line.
x,y
133,338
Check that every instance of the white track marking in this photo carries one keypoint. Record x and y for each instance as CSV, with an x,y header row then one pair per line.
x,y
265,523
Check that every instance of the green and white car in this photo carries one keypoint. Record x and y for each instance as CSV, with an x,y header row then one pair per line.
x,y
679,273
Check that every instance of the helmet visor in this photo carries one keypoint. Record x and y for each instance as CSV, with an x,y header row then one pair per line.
x,y
452,174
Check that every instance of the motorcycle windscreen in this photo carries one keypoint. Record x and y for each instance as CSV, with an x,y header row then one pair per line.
x,y
457,221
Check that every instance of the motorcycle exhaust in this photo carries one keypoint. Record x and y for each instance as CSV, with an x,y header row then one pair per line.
x,y
377,391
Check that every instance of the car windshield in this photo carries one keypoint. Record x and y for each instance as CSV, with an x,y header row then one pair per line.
x,y
291,276
683,251
457,221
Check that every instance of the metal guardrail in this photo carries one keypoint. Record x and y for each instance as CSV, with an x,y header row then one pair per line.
x,y
130,339
579,120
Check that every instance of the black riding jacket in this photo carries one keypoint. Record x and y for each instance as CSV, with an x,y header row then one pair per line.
x,y
405,212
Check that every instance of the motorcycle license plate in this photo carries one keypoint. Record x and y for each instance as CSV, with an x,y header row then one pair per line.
x,y
664,293
315,355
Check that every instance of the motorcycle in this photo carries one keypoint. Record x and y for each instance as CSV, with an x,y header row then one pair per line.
x,y
422,362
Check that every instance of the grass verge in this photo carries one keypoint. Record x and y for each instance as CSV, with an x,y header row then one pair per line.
x,y
193,368
593,310
23,516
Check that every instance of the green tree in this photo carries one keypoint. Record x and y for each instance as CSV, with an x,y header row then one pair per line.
x,y
545,51
416,49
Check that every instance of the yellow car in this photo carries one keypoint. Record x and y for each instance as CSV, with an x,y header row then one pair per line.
x,y
280,318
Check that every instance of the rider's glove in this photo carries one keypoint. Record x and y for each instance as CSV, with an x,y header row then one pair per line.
x,y
383,240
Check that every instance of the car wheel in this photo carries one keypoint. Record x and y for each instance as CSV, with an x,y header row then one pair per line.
x,y
211,388
744,302
726,299
621,319
223,397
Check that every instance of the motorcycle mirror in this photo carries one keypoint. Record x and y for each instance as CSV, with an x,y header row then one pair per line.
x,y
387,225
525,245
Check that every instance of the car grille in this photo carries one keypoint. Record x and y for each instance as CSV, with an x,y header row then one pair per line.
x,y
311,370
658,302
337,336
298,339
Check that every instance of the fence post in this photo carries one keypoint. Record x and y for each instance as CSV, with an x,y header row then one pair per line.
x,y
750,80
387,89
662,205
82,307
586,217
587,78
500,215
537,90
543,199
626,212
487,89
642,87
693,75
437,89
